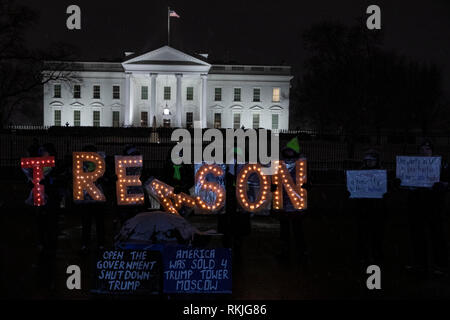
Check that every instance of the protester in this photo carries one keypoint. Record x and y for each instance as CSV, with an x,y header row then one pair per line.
x,y
291,221
235,223
46,218
92,210
370,219
426,222
180,177
126,212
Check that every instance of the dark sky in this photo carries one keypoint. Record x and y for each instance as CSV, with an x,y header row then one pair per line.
x,y
245,31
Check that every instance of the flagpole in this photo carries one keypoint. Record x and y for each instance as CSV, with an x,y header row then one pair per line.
x,y
168,26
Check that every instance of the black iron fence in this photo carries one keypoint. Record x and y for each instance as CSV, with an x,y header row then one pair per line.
x,y
329,154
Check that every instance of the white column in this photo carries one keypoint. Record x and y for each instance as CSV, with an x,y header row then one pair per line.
x,y
203,107
179,102
127,101
152,112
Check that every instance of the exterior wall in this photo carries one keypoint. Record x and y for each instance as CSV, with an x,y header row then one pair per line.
x,y
247,107
227,106
86,104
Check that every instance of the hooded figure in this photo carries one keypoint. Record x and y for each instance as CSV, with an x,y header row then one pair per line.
x,y
370,218
235,222
291,221
426,222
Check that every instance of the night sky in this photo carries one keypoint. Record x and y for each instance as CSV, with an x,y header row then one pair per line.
x,y
259,32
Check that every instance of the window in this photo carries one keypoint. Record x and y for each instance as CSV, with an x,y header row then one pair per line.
x,y
217,94
76,118
189,119
96,117
57,91
190,93
217,120
237,94
116,119
236,120
144,119
276,95
57,118
275,121
166,93
255,120
144,93
256,94
96,92
77,91
116,92
166,123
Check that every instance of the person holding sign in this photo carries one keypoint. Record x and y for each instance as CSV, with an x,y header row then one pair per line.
x,y
291,220
91,204
426,221
368,198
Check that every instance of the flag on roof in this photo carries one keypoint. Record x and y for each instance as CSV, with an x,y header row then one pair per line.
x,y
173,14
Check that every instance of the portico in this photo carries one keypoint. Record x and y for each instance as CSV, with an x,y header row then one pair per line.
x,y
177,84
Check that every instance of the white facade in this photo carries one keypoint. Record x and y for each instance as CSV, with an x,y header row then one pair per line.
x,y
200,94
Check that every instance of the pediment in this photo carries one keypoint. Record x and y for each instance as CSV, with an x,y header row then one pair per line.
x,y
56,104
166,56
276,108
237,107
77,104
97,104
256,108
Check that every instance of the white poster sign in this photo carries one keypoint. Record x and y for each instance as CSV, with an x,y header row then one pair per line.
x,y
418,171
367,183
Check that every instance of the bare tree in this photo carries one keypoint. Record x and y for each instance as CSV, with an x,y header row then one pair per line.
x,y
24,71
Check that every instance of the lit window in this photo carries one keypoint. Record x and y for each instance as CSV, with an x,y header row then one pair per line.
x,y
166,93
166,123
255,120
217,94
116,92
77,91
276,95
275,121
236,120
57,91
237,94
256,94
190,93
217,120
144,93
144,119
96,118
57,117
96,91
116,119
76,118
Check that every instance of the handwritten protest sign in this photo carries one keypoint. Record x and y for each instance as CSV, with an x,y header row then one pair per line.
x,y
366,183
128,272
194,270
418,171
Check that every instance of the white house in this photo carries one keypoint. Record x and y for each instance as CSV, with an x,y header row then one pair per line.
x,y
172,88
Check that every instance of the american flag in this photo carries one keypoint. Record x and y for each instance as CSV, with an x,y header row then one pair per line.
x,y
173,14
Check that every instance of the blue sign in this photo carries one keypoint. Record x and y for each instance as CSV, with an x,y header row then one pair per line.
x,y
196,270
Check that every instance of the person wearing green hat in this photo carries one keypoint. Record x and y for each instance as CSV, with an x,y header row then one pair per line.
x,y
291,221
179,176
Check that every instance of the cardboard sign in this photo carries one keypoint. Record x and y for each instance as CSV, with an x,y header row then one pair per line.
x,y
128,272
367,183
418,171
196,270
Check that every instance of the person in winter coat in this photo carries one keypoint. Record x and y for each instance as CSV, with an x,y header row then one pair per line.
x,y
426,222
